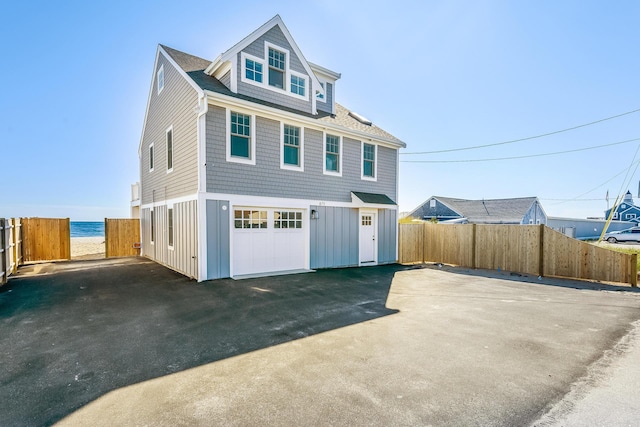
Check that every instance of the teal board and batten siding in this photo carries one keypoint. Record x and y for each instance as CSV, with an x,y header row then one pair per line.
x,y
266,178
183,257
257,49
172,107
387,232
218,239
334,237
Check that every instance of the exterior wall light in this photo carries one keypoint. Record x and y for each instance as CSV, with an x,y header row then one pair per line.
x,y
314,214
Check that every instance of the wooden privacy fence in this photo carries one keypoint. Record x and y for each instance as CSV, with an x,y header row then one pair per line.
x,y
121,237
529,249
46,239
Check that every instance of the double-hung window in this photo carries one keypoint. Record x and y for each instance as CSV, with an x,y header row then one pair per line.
x,y
170,149
368,161
240,135
277,66
332,154
240,138
292,147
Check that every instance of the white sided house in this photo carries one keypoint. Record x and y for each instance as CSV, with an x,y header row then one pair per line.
x,y
248,166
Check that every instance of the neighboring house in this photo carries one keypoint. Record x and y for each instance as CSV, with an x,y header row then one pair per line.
x,y
249,166
625,211
524,210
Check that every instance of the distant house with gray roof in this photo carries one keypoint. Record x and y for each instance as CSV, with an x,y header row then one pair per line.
x,y
248,165
523,210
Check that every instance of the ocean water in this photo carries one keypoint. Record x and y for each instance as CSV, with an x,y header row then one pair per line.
x,y
87,229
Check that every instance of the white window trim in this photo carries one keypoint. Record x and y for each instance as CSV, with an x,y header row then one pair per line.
x,y
287,55
631,216
170,207
173,148
243,74
252,142
324,155
283,165
615,215
306,85
288,72
158,74
321,90
375,163
152,158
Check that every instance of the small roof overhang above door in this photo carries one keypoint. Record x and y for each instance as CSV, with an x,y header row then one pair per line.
x,y
372,200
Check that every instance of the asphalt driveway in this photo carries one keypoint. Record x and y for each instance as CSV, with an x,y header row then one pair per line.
x,y
128,342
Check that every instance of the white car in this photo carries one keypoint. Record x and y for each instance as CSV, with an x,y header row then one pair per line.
x,y
630,235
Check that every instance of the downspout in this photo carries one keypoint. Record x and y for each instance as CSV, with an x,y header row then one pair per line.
x,y
201,209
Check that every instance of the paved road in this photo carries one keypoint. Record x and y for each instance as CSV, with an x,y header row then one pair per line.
x,y
135,344
608,394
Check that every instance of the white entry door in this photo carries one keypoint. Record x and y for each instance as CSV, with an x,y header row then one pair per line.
x,y
368,243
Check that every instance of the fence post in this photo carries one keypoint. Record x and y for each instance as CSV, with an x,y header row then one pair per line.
x,y
106,239
473,246
14,238
425,228
634,270
3,252
541,252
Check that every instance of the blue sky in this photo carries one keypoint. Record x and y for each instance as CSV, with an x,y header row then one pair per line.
x,y
436,74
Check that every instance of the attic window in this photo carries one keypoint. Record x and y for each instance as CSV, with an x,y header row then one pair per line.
x,y
360,118
160,79
276,68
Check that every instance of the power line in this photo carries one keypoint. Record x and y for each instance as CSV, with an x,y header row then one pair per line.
x,y
595,188
522,139
521,157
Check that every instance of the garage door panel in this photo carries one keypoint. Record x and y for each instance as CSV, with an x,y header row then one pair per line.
x,y
274,244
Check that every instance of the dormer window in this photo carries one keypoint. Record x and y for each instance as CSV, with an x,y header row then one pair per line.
x,y
320,95
297,85
253,70
276,68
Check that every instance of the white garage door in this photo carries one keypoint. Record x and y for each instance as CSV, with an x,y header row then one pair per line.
x,y
268,240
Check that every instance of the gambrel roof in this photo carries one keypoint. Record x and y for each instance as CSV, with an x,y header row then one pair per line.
x,y
491,211
194,68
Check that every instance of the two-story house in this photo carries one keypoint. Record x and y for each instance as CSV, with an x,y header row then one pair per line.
x,y
625,210
248,166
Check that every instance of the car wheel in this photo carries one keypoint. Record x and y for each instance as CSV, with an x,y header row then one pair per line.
x,y
612,240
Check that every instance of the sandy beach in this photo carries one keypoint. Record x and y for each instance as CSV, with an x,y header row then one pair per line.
x,y
87,247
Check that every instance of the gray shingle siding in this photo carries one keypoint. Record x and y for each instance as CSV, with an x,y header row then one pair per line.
x,y
172,107
439,211
328,105
265,178
535,215
226,79
256,48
